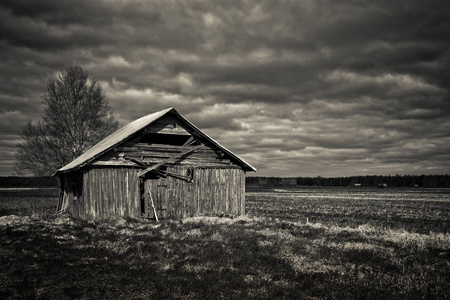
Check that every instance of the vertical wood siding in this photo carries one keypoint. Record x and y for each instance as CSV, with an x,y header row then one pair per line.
x,y
114,192
106,193
214,191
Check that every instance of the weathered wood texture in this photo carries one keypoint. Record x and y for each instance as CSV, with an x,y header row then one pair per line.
x,y
213,191
106,193
158,143
172,159
116,192
154,154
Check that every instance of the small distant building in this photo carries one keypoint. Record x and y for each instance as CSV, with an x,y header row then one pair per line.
x,y
358,184
382,185
160,165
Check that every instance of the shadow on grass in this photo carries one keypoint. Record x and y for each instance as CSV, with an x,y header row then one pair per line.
x,y
211,258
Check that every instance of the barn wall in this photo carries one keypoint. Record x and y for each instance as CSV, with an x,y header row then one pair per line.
x,y
213,191
100,193
111,192
103,193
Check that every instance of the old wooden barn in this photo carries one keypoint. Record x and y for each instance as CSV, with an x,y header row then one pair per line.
x,y
160,159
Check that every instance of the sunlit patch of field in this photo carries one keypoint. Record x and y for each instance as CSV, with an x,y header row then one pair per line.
x,y
419,210
251,257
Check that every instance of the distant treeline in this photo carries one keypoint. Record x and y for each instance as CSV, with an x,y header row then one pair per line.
x,y
17,181
432,181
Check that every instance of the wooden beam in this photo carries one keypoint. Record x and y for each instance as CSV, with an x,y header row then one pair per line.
x,y
136,161
189,141
168,160
178,176
146,166
118,163
153,204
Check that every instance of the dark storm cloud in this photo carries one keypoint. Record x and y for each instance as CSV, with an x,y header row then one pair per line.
x,y
295,87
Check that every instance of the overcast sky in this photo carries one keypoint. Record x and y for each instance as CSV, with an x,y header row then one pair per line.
x,y
296,88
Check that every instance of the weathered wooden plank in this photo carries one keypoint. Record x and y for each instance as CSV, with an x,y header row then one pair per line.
x,y
147,187
82,213
201,179
99,193
137,193
129,192
127,147
90,187
103,197
134,189
191,160
128,195
91,194
187,161
119,196
125,193
98,204
196,155
116,163
112,210
112,202
95,192
169,160
227,195
110,192
120,189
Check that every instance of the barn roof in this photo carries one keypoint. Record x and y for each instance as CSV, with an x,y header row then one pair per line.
x,y
130,129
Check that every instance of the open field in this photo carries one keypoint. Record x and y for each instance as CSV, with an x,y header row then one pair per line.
x,y
294,244
414,209
28,201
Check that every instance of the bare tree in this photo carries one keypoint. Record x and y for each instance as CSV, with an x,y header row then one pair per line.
x,y
76,117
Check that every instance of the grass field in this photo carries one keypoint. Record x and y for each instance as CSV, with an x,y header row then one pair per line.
x,y
293,244
412,209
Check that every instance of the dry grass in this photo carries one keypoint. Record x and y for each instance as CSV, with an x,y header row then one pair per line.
x,y
48,257
212,258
